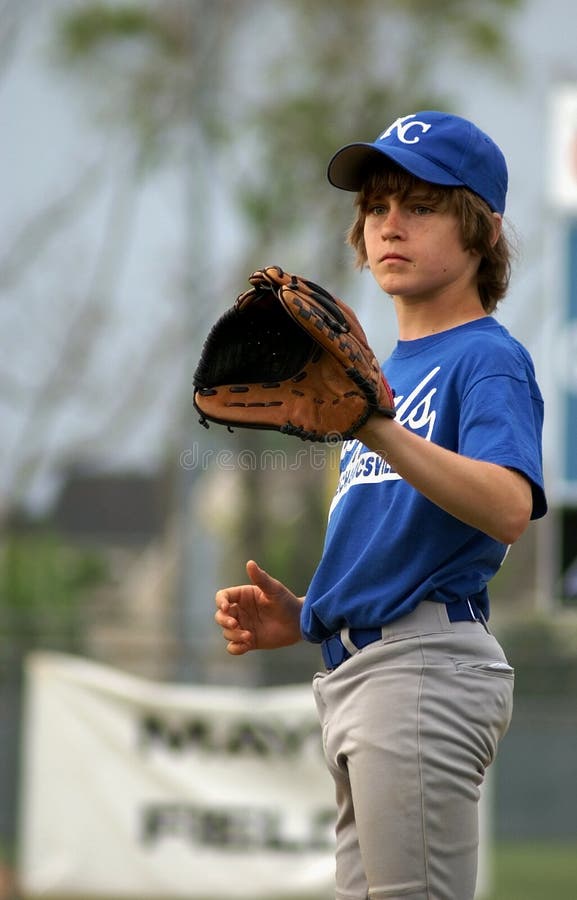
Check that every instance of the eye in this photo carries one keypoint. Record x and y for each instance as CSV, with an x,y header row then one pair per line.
x,y
377,209
422,210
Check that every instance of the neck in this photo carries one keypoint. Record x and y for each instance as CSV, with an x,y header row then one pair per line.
x,y
421,318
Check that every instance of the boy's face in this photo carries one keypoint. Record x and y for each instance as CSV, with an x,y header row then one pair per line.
x,y
414,246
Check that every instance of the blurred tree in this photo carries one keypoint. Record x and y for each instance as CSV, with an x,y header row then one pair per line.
x,y
268,92
42,583
247,100
58,409
251,100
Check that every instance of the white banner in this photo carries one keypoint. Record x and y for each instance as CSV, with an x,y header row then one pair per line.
x,y
133,789
563,147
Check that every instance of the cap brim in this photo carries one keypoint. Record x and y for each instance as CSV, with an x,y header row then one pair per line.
x,y
349,166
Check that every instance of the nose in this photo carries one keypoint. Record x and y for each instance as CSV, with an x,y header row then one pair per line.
x,y
392,226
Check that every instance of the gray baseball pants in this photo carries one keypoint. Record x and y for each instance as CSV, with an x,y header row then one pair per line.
x,y
410,723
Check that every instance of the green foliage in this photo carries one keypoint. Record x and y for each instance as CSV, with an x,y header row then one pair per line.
x,y
342,72
42,583
295,79
89,29
138,63
83,30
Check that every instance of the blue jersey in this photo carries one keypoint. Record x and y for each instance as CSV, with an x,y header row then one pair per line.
x,y
470,389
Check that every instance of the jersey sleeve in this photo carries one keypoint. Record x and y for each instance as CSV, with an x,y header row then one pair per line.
x,y
501,422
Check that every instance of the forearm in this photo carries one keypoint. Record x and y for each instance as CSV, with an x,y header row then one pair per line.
x,y
492,498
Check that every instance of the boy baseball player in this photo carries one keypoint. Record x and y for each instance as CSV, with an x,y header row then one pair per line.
x,y
416,691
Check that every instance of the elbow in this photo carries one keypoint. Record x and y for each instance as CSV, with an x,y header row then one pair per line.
x,y
511,534
515,509
513,524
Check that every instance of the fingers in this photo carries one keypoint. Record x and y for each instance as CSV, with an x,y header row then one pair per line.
x,y
260,578
254,571
237,649
234,609
226,617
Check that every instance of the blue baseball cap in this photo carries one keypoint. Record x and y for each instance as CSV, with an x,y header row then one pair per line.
x,y
434,146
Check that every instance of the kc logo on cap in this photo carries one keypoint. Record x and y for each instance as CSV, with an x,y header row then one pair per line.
x,y
403,127
436,147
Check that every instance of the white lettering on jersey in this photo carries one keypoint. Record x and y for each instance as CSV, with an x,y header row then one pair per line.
x,y
416,411
364,466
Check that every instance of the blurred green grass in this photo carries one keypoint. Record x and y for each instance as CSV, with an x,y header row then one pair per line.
x,y
520,871
534,871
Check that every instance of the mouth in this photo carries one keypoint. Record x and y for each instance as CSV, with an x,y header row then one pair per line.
x,y
393,258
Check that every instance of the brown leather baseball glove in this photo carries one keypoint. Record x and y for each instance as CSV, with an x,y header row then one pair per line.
x,y
289,356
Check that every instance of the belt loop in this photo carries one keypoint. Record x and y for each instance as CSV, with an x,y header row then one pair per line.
x,y
479,617
347,643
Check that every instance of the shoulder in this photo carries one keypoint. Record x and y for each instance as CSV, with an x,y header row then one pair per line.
x,y
487,347
496,364
463,355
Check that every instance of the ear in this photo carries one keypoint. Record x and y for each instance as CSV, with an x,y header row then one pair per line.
x,y
497,228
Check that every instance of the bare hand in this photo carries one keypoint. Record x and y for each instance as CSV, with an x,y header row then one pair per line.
x,y
263,615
